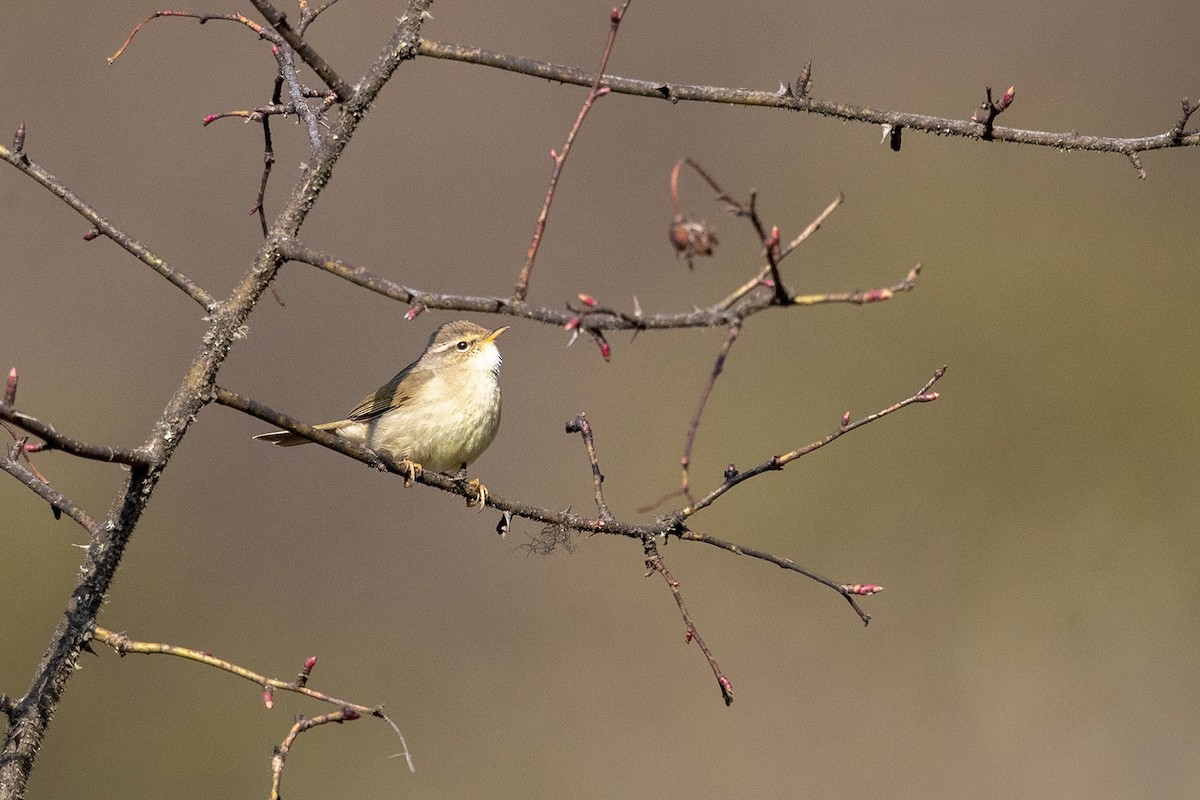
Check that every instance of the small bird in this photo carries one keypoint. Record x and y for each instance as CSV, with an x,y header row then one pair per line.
x,y
439,413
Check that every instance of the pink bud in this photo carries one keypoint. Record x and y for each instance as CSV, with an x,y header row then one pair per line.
x,y
92,234
877,295
211,118
309,663
587,300
413,313
846,419
572,324
615,16
606,351
269,697
1008,97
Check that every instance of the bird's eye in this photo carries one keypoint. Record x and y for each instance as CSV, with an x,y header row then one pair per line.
x,y
462,345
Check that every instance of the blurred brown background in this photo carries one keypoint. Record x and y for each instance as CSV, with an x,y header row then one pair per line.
x,y
1035,528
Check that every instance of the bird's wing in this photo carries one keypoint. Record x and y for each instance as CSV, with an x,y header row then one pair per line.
x,y
385,397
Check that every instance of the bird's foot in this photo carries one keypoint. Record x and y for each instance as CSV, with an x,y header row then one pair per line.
x,y
410,470
481,494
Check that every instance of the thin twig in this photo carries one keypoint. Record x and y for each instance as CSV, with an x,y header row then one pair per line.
x,y
685,460
654,563
778,462
560,157
59,502
581,426
53,440
102,225
590,319
863,296
784,563
757,281
241,19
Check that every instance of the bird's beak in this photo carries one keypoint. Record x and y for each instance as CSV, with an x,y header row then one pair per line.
x,y
491,337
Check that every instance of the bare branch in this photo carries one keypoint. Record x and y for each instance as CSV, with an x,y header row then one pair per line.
x,y
560,157
59,502
939,126
581,426
57,441
103,226
654,563
278,20
845,591
778,462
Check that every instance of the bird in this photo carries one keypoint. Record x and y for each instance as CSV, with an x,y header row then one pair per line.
x,y
438,414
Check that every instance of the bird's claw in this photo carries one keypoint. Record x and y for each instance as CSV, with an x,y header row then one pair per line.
x,y
410,470
481,494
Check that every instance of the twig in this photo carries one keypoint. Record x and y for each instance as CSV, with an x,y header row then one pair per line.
x,y
654,563
53,440
123,646
560,157
755,282
864,296
102,225
303,724
59,502
287,68
581,426
278,20
241,19
784,563
778,462
686,459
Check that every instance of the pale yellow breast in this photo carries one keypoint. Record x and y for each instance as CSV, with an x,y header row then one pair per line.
x,y
450,422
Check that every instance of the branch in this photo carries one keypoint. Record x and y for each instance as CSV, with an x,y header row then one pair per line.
x,y
654,563
939,126
53,440
560,157
278,21
123,645
733,477
720,314
59,502
581,426
17,158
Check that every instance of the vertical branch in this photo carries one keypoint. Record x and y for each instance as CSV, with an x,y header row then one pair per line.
x,y
560,158
581,426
